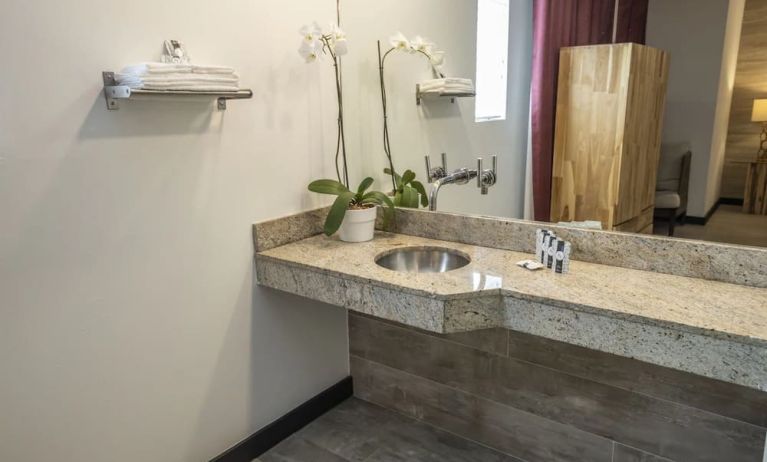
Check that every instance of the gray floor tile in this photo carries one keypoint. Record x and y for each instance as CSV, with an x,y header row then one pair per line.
x,y
357,431
297,449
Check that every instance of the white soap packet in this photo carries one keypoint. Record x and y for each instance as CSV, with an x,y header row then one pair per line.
x,y
531,265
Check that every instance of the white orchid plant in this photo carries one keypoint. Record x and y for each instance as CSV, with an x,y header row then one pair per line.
x,y
314,45
416,45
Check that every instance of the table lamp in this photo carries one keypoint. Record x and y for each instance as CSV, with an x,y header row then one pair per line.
x,y
759,114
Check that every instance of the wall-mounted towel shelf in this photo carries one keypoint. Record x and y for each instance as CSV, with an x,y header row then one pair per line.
x,y
113,93
428,95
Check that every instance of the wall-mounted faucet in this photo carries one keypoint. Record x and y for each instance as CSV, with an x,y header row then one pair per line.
x,y
439,176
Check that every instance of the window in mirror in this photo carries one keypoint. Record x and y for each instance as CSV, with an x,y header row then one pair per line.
x,y
492,59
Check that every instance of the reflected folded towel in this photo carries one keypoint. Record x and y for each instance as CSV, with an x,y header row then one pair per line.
x,y
447,85
588,224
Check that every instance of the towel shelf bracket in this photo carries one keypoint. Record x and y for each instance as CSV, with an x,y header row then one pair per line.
x,y
113,93
419,95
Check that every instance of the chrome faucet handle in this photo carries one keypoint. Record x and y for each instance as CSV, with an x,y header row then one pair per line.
x,y
436,173
486,178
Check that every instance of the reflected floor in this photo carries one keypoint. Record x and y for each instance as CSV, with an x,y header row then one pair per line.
x,y
357,431
728,224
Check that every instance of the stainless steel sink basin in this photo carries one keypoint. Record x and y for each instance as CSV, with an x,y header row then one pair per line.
x,y
423,259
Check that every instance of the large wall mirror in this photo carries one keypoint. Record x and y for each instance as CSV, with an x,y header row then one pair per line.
x,y
644,116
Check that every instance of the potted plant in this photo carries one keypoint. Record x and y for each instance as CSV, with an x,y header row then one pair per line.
x,y
408,190
353,214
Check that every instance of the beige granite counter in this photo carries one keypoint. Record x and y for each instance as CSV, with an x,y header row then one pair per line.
x,y
711,328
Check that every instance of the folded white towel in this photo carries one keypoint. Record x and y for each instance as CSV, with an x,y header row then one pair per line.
x,y
199,69
447,81
447,86
127,79
196,87
156,68
448,90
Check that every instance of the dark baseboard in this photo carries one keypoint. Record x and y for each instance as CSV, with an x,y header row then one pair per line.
x,y
722,201
703,220
731,201
269,436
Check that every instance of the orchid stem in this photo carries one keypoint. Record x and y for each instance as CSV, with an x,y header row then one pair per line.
x,y
387,146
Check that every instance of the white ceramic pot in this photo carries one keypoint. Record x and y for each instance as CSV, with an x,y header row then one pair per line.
x,y
358,225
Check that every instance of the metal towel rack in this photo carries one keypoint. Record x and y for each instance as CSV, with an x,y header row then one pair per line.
x,y
113,93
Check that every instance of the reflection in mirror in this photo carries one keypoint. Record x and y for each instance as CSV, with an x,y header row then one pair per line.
x,y
645,117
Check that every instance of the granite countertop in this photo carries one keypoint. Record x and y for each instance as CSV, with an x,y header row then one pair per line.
x,y
729,311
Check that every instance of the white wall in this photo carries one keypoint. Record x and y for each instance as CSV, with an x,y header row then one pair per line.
x,y
724,100
700,88
130,328
438,126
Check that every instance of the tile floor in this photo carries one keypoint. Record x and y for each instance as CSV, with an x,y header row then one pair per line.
x,y
357,431
728,224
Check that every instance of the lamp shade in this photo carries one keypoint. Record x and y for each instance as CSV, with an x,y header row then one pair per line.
x,y
759,114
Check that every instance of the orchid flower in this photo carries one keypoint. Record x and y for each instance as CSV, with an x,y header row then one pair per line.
x,y
400,42
421,44
338,40
311,33
310,51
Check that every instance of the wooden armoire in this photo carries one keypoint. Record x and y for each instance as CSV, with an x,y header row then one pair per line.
x,y
610,105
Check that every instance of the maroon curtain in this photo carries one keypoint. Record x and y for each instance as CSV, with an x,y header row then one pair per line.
x,y
632,21
564,23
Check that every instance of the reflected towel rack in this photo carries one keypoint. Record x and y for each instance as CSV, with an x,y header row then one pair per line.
x,y
419,95
113,93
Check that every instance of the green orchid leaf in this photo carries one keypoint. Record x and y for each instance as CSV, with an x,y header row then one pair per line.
x,y
413,197
397,199
418,186
397,178
408,176
364,185
407,197
328,187
337,211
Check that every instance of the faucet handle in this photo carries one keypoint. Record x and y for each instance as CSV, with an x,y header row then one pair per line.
x,y
486,178
436,173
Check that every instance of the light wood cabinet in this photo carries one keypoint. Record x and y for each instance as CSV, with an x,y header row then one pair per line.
x,y
610,105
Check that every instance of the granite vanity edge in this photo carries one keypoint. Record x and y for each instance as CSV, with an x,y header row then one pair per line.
x,y
413,310
360,279
458,321
635,318
716,358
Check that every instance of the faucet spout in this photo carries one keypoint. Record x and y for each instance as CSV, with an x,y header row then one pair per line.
x,y
460,176
433,195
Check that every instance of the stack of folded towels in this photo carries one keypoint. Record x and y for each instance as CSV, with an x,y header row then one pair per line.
x,y
447,86
171,76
